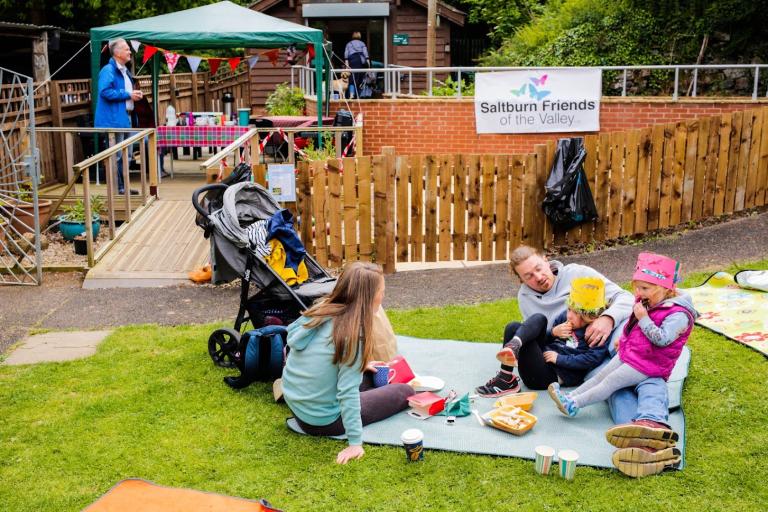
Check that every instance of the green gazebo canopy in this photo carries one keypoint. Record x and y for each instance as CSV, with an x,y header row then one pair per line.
x,y
219,25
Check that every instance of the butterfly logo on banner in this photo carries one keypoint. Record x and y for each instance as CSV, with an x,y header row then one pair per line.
x,y
534,88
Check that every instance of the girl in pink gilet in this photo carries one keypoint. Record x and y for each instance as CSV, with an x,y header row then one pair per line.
x,y
652,339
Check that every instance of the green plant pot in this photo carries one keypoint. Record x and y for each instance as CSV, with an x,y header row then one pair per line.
x,y
70,229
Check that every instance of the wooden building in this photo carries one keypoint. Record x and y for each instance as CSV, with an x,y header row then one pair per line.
x,y
395,32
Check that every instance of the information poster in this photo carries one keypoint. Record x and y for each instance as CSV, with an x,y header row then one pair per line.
x,y
281,180
538,101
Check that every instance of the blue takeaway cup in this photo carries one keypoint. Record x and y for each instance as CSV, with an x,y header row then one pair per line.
x,y
413,442
383,375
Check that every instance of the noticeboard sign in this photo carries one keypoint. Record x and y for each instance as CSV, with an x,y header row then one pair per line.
x,y
401,39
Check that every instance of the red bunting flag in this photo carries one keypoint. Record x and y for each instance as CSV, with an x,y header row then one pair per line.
x,y
172,59
234,62
311,51
149,51
214,64
272,55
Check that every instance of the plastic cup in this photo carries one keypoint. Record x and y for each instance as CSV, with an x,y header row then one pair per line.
x,y
413,442
568,461
544,455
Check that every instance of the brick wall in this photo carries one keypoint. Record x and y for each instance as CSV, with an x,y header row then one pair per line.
x,y
421,126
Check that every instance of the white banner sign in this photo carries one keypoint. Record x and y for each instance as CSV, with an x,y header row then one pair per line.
x,y
553,100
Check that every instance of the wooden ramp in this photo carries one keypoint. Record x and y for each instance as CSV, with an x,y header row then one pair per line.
x,y
159,248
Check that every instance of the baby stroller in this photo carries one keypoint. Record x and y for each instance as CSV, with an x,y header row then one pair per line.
x,y
238,235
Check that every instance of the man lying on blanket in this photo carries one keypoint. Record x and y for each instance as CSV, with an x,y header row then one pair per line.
x,y
641,412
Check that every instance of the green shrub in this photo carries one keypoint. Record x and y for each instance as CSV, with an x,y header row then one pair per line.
x,y
311,153
75,212
285,101
451,87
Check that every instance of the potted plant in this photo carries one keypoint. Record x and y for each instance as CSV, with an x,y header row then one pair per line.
x,y
20,209
72,221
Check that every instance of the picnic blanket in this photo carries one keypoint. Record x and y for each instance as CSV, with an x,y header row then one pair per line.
x,y
134,495
733,310
464,366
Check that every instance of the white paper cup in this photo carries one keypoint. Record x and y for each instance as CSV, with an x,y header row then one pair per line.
x,y
413,442
544,455
568,460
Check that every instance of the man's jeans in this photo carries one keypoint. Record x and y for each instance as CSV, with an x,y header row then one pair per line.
x,y
646,401
120,137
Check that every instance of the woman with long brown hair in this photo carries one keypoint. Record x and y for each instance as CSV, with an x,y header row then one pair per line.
x,y
331,346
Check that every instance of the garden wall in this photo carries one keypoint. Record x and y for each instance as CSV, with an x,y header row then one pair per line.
x,y
435,125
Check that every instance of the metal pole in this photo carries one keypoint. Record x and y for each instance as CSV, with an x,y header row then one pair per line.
x,y
695,80
458,75
624,84
35,175
677,77
430,82
757,75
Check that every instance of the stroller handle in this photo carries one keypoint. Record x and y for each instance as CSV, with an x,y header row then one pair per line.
x,y
205,188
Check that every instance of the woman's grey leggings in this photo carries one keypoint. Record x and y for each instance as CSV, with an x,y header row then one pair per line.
x,y
613,377
376,404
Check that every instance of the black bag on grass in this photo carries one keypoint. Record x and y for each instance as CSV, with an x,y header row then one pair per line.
x,y
568,201
264,356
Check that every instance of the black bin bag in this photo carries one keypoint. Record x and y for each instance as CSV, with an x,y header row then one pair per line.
x,y
568,200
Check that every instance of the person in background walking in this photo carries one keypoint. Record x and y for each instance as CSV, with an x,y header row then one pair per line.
x,y
356,57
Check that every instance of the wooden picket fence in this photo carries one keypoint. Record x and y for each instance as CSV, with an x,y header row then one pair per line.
x,y
389,208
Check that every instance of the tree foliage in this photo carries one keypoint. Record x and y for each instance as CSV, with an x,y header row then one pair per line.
x,y
626,32
84,15
502,16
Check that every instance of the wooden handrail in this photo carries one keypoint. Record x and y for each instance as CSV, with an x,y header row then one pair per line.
x,y
221,155
114,149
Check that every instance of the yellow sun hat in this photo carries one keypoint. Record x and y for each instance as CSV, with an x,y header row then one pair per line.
x,y
587,295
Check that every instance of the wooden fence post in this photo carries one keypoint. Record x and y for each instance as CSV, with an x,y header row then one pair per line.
x,y
195,99
389,165
58,138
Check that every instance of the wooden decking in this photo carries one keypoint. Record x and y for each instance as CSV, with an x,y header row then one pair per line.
x,y
160,247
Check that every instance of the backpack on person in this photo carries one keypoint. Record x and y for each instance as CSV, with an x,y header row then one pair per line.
x,y
264,351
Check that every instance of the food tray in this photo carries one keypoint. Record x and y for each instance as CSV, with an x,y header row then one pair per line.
x,y
521,400
513,420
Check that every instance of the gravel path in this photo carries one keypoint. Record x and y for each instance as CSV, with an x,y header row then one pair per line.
x,y
60,303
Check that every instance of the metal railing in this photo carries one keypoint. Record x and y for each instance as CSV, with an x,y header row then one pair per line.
x,y
148,167
396,76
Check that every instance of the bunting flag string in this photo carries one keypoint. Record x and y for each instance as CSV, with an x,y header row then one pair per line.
x,y
172,58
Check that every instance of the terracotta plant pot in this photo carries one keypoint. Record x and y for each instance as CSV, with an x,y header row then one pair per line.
x,y
3,227
23,219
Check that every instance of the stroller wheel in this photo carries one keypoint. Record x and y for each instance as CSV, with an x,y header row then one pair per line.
x,y
223,347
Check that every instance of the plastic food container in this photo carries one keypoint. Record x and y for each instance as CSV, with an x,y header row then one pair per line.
x,y
521,400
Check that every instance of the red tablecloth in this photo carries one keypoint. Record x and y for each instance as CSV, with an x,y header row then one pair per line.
x,y
198,136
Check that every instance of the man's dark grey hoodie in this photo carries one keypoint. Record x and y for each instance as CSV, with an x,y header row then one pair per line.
x,y
553,302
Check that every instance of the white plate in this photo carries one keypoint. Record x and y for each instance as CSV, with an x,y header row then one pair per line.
x,y
427,383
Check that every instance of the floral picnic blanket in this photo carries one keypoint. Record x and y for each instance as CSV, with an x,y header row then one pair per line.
x,y
738,313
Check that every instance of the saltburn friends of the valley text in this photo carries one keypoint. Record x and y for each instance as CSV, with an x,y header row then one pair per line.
x,y
546,106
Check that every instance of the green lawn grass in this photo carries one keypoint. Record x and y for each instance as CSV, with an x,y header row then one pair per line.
x,y
150,404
